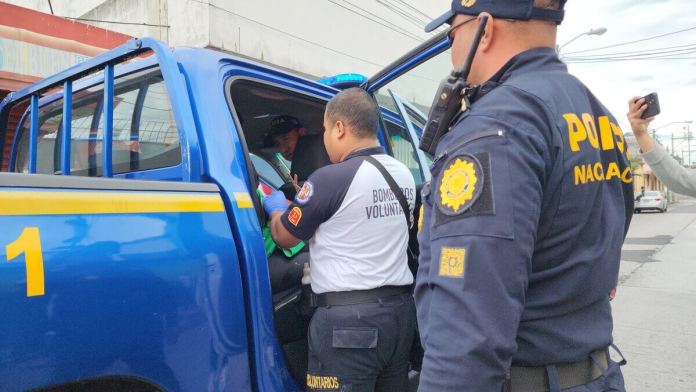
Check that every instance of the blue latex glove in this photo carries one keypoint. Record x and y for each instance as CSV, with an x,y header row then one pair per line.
x,y
275,202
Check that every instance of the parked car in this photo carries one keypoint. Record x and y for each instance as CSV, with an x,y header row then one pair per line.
x,y
651,200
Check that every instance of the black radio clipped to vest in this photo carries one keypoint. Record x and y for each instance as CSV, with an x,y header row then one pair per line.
x,y
450,98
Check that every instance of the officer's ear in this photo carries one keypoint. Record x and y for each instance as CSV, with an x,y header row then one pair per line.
x,y
340,129
488,32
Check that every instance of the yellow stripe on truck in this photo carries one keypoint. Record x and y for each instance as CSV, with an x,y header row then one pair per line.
x,y
106,202
243,200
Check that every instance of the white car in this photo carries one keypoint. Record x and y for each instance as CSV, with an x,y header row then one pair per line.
x,y
651,200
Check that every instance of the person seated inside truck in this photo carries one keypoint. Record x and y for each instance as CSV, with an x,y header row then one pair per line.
x,y
306,152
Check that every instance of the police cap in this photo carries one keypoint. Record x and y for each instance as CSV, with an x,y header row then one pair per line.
x,y
504,9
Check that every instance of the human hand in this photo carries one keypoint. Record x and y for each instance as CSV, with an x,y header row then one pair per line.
x,y
305,275
636,107
275,202
296,183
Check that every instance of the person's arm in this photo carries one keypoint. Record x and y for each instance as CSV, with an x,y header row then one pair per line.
x,y
319,198
275,206
676,177
280,234
484,207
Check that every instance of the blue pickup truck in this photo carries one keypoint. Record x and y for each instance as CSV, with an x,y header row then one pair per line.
x,y
131,247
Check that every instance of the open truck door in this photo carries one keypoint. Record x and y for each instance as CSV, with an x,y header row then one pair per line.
x,y
116,283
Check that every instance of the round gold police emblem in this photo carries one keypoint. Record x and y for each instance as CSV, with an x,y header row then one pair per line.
x,y
468,3
460,185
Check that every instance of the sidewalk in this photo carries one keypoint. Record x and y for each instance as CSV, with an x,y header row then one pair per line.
x,y
655,307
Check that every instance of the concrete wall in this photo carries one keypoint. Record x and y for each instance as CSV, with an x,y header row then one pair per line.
x,y
314,37
71,8
151,16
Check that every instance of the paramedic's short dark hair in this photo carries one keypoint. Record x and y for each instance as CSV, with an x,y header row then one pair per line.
x,y
356,109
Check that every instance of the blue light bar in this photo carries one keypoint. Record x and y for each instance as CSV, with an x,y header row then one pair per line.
x,y
342,81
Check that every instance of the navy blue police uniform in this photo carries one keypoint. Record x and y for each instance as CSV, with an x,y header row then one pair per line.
x,y
521,235
361,332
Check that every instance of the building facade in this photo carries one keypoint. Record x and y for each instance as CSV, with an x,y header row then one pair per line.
x,y
315,38
34,45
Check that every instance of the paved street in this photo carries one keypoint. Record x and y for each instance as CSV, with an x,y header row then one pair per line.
x,y
655,307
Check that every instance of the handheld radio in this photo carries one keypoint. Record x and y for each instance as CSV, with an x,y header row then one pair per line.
x,y
450,98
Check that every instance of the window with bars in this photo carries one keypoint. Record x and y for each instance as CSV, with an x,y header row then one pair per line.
x,y
144,131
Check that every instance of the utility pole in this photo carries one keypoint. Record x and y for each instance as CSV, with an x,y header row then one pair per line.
x,y
678,142
673,152
688,141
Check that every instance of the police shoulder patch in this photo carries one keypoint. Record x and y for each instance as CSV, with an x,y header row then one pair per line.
x,y
452,262
459,185
305,193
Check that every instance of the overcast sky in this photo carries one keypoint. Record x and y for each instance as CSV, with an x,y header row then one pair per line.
x,y
615,82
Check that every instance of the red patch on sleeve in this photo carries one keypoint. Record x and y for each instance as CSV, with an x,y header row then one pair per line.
x,y
295,216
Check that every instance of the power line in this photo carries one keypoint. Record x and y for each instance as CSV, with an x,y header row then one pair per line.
x,y
633,42
289,34
308,41
427,17
677,52
656,55
404,14
648,51
635,59
393,27
115,22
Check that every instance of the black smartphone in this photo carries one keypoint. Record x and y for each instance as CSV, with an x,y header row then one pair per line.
x,y
653,108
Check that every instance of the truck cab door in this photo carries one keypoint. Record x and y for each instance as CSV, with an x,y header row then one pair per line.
x,y
415,122
405,90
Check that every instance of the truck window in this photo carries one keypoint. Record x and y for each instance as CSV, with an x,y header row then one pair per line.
x,y
145,135
255,105
416,89
266,171
403,149
50,119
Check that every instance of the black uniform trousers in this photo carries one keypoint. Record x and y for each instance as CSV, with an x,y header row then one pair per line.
x,y
362,347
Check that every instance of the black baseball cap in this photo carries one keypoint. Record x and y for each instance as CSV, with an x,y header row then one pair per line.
x,y
504,9
281,125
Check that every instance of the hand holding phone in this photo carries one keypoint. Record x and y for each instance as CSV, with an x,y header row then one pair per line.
x,y
653,108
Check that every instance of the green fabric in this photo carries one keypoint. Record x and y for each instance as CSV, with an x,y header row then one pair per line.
x,y
268,242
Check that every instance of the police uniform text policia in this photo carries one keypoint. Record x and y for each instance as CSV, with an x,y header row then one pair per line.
x,y
524,219
361,333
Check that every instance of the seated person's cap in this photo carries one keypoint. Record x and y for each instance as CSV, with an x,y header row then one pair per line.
x,y
503,9
283,124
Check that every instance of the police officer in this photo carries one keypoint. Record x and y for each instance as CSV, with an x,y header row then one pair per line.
x,y
524,219
351,214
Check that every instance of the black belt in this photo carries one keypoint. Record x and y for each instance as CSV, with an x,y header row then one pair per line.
x,y
570,375
358,296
